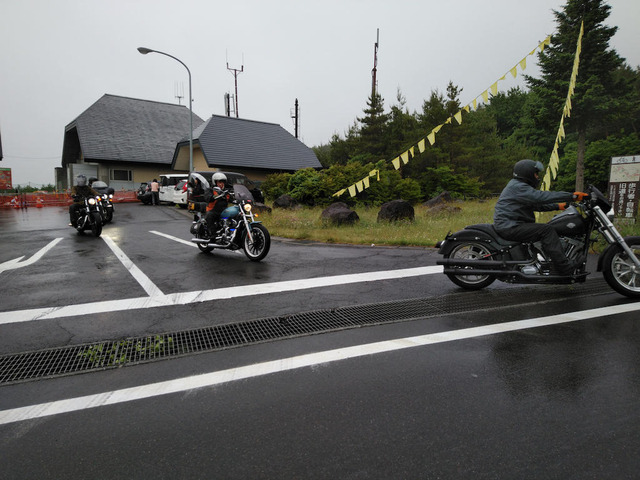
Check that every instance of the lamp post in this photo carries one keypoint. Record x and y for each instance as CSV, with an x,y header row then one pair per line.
x,y
144,51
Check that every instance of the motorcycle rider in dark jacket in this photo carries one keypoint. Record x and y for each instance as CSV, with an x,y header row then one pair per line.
x,y
218,201
79,192
514,215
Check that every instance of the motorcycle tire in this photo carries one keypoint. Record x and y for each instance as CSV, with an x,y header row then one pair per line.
x,y
620,272
257,249
96,224
470,251
108,217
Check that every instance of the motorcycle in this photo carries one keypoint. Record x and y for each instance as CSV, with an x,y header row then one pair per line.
x,y
238,228
105,204
89,216
477,256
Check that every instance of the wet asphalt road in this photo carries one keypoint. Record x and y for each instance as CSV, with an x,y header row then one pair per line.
x,y
409,399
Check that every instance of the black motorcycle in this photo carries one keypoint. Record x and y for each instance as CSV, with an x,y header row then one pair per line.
x,y
89,216
237,228
477,256
105,204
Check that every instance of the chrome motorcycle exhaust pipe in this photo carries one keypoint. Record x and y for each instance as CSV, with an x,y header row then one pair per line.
x,y
207,243
455,262
515,273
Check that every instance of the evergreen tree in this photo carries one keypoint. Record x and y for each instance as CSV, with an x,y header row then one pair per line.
x,y
598,91
373,124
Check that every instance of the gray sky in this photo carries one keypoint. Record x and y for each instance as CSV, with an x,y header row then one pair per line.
x,y
59,57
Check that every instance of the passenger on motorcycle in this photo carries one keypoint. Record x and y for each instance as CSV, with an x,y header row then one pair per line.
x,y
79,192
514,217
218,200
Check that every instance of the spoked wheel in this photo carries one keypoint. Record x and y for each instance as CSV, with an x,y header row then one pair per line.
x,y
619,270
470,251
257,249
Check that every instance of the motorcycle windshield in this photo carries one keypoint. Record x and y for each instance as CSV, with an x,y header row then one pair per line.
x,y
240,192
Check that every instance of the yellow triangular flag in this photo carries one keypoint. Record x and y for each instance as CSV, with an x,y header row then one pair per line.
x,y
365,181
405,157
485,96
448,120
359,186
337,194
514,71
411,150
421,146
437,129
466,108
523,63
432,138
547,180
458,117
352,190
475,103
396,163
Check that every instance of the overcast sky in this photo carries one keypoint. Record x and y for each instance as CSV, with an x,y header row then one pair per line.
x,y
59,57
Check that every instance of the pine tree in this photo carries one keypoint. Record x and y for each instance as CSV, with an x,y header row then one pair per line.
x,y
372,131
598,92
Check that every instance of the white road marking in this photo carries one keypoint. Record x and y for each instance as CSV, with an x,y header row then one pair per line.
x,y
285,364
18,263
140,277
175,239
184,298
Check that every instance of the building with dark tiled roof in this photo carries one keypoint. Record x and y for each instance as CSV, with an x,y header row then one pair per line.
x,y
245,146
125,141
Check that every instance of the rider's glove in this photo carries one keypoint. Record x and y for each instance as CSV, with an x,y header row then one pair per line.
x,y
563,205
579,196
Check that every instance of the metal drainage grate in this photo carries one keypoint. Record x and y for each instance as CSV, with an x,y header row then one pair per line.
x,y
53,362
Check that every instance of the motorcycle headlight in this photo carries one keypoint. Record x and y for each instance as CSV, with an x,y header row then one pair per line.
x,y
92,201
247,207
110,195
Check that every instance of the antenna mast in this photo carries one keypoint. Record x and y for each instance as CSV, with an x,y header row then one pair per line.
x,y
178,90
374,71
235,73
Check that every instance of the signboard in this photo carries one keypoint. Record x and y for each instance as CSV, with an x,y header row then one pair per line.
x,y
5,179
624,183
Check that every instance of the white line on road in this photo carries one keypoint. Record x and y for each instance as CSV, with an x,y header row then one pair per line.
x,y
18,263
140,277
184,298
292,363
175,239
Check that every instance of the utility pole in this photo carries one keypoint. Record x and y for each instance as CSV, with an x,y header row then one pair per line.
x,y
374,71
235,76
295,117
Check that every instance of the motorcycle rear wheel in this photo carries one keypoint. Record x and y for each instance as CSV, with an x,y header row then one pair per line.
x,y
96,224
619,271
470,251
258,249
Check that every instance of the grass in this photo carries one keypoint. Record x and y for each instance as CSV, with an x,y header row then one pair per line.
x,y
429,226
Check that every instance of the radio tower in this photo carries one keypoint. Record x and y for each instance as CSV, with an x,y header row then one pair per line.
x,y
235,72
374,71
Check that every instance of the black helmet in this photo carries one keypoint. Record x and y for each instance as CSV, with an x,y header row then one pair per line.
x,y
526,171
81,180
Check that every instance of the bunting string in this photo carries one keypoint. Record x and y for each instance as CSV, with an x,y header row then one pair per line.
x,y
407,155
554,159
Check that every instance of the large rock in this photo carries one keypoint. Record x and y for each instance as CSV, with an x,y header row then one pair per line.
x,y
339,214
396,210
443,197
284,201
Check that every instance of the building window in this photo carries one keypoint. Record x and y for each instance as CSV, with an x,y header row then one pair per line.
x,y
121,175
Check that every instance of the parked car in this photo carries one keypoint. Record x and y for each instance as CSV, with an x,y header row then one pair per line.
x,y
144,193
180,193
234,178
168,183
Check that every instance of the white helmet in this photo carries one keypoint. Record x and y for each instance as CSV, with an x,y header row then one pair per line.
x,y
219,177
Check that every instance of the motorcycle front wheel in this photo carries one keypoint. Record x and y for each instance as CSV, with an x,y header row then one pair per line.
x,y
257,249
619,270
96,224
470,251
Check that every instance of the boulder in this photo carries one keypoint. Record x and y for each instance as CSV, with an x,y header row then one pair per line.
x,y
443,197
284,201
444,209
261,208
396,210
339,214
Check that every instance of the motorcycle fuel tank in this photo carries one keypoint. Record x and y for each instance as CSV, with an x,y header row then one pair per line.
x,y
230,212
568,223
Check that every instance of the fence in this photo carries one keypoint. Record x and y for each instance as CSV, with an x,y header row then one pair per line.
x,y
52,199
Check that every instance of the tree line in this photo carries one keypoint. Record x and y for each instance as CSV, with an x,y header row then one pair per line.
x,y
475,158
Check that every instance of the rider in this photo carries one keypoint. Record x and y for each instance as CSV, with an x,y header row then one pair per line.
x,y
78,192
218,201
514,217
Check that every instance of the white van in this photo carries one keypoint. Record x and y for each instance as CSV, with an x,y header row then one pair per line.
x,y
167,185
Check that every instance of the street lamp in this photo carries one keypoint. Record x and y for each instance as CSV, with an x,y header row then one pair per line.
x,y
144,51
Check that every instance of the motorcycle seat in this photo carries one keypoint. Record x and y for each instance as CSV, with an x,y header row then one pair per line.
x,y
490,230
